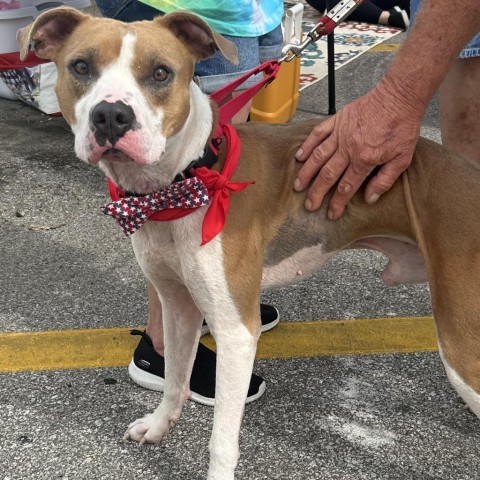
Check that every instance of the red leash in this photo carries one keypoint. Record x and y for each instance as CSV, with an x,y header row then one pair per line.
x,y
11,61
233,106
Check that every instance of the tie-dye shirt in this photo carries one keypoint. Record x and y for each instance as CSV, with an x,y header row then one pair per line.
x,y
240,18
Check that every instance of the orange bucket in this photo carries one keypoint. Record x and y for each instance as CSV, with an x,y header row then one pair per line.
x,y
277,102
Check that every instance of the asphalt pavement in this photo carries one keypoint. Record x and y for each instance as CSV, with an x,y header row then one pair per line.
x,y
65,266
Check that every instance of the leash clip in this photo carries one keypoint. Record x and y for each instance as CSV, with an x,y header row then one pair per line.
x,y
293,50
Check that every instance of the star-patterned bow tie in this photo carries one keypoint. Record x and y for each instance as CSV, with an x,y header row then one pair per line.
x,y
183,197
132,212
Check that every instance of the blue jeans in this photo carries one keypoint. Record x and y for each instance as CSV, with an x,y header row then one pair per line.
x,y
215,72
472,49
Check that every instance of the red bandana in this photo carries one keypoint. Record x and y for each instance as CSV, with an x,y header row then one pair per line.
x,y
184,197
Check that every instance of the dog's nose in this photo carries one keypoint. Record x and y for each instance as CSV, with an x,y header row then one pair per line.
x,y
111,121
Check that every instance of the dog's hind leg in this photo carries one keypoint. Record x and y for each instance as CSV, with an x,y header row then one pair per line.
x,y
456,309
181,323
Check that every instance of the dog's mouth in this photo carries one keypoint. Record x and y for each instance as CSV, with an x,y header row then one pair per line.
x,y
116,156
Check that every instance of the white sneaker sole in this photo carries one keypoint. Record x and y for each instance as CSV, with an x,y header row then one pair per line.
x,y
156,383
145,379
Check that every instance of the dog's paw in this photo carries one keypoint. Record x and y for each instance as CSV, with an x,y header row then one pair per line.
x,y
149,429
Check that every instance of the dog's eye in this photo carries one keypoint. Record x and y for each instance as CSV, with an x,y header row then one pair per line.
x,y
160,74
81,68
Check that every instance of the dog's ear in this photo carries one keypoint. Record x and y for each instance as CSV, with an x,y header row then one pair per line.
x,y
198,37
49,31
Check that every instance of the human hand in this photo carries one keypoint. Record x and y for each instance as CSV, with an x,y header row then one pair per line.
x,y
376,129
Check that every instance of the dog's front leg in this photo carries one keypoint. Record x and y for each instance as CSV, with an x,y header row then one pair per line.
x,y
181,322
236,349
229,297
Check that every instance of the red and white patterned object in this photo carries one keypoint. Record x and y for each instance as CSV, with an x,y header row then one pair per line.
x,y
132,212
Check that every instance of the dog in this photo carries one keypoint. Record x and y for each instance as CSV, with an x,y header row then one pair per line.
x,y
128,93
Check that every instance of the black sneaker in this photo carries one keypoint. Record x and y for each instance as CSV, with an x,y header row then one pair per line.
x,y
398,18
268,314
147,369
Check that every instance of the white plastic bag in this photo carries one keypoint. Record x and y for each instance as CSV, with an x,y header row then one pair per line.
x,y
34,86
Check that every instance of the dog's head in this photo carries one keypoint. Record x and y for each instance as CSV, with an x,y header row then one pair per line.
x,y
124,88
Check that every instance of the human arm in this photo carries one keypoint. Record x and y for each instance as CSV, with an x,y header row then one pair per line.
x,y
381,128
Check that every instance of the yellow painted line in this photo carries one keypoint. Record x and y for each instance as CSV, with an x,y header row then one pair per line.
x,y
113,347
386,47
362,336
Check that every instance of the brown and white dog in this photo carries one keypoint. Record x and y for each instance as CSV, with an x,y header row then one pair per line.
x,y
155,121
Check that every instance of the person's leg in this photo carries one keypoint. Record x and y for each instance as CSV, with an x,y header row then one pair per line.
x,y
127,10
369,12
155,324
389,4
460,108
269,47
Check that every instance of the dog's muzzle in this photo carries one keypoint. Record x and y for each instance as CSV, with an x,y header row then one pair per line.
x,y
111,121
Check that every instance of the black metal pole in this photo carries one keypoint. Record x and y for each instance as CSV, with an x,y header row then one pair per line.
x,y
331,74
331,68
